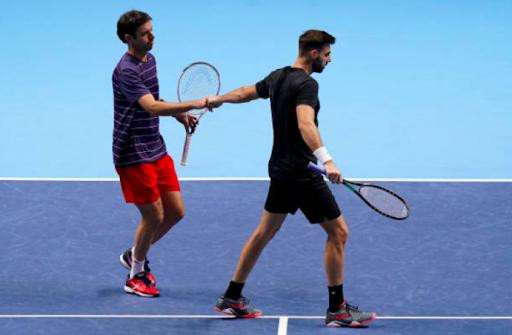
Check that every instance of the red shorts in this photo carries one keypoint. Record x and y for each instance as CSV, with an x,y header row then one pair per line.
x,y
143,183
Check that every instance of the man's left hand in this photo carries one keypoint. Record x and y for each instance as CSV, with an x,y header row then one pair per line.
x,y
189,121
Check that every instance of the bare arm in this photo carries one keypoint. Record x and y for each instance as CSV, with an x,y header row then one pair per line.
x,y
311,135
164,108
307,127
242,94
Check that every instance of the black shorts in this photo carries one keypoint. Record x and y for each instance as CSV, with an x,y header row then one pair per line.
x,y
313,197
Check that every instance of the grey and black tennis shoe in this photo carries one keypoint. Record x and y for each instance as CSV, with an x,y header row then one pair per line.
x,y
348,316
239,308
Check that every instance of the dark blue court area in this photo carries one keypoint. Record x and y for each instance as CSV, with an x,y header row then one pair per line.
x,y
61,242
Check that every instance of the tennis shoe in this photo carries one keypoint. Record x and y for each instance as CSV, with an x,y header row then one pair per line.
x,y
239,308
126,260
141,286
348,316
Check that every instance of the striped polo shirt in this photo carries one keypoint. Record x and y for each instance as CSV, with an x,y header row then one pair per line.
x,y
136,137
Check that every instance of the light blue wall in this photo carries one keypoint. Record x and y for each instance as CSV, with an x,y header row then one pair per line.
x,y
416,89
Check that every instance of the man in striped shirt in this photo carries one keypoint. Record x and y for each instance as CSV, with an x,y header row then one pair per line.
x,y
146,171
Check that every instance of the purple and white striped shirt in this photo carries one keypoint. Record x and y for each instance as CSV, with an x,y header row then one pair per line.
x,y
136,136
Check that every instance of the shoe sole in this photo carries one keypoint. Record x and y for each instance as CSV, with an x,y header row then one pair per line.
x,y
129,290
353,324
230,312
124,263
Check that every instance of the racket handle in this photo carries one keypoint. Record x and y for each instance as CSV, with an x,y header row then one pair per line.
x,y
316,168
186,146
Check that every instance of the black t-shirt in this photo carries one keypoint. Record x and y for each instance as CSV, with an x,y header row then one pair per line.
x,y
287,88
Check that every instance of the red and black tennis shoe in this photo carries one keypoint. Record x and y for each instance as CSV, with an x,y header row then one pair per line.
x,y
126,260
141,286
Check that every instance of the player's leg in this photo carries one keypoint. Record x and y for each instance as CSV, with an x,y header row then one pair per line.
x,y
269,225
140,280
339,313
174,211
232,302
151,221
139,184
172,202
337,235
168,189
319,206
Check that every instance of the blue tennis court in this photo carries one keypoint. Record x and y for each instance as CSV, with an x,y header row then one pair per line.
x,y
417,97
446,269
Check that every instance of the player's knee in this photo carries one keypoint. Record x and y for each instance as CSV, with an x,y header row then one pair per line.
x,y
173,217
155,217
338,233
343,234
178,215
272,229
339,238
266,233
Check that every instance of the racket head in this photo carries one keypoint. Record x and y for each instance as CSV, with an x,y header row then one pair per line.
x,y
198,80
380,199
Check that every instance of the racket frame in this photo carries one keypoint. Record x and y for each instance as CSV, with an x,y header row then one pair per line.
x,y
188,137
350,185
357,190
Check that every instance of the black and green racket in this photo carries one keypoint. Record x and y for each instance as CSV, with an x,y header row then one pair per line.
x,y
380,199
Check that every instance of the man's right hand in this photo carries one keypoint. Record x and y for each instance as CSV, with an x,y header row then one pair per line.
x,y
200,103
214,102
332,172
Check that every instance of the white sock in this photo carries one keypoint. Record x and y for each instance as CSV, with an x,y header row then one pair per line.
x,y
137,267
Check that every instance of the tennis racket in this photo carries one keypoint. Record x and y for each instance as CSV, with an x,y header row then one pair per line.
x,y
196,81
380,199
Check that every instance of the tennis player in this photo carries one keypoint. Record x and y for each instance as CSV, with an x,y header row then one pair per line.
x,y
146,171
294,102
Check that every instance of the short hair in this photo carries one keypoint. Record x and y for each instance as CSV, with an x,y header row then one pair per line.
x,y
130,21
314,39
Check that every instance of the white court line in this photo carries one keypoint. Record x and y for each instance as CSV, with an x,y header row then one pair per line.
x,y
408,180
282,318
282,329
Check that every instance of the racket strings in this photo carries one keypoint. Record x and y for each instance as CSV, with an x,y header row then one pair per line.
x,y
384,201
198,81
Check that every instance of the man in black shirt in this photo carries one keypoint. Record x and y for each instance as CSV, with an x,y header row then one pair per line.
x,y
294,102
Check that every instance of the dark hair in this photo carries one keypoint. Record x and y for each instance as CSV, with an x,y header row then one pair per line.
x,y
129,22
314,39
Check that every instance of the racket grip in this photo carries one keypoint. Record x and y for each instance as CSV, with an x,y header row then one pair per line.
x,y
316,168
186,146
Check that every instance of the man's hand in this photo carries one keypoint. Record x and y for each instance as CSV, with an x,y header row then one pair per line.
x,y
332,172
189,121
200,103
213,102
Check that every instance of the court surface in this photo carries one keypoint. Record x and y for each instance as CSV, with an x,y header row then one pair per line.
x,y
446,270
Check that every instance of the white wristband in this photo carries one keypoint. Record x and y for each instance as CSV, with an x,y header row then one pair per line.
x,y
322,155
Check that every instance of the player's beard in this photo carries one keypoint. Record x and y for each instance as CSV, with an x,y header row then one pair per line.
x,y
317,65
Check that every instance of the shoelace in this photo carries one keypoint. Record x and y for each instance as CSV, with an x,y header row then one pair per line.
x,y
244,300
351,307
144,277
